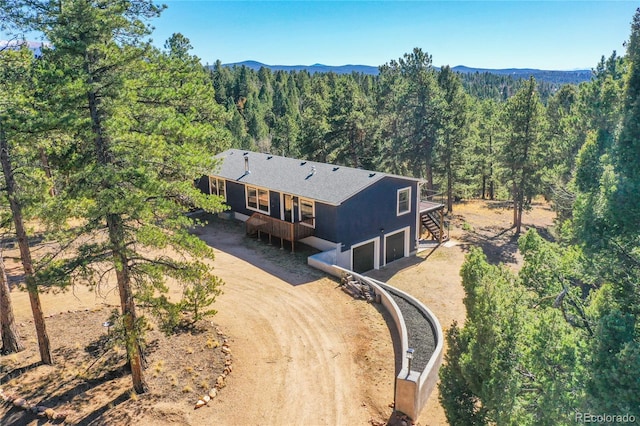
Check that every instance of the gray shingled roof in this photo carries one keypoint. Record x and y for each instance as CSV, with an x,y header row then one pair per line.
x,y
318,181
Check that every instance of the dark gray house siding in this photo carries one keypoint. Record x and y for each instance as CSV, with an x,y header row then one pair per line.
x,y
236,198
326,222
203,184
373,212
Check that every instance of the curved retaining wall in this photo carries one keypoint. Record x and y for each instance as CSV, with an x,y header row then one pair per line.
x,y
412,388
428,377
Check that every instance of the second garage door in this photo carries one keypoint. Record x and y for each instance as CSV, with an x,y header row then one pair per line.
x,y
394,246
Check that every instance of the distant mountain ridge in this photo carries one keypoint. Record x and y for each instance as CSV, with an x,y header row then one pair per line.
x,y
312,69
34,46
552,76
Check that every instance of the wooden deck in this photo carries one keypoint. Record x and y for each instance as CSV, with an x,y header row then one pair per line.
x,y
260,223
429,206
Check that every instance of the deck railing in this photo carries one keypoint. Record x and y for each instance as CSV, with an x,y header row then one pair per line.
x,y
431,196
289,231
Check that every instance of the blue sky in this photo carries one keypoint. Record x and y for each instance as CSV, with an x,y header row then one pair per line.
x,y
552,34
543,34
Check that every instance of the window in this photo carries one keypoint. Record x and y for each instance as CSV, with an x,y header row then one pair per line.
x,y
307,212
257,199
252,197
217,187
404,201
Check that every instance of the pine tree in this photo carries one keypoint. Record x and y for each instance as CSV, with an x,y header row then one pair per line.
x,y
412,111
143,125
522,153
10,340
606,221
454,129
348,117
16,143
627,162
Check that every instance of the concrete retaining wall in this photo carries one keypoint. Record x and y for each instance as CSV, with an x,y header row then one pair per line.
x,y
324,261
412,388
424,381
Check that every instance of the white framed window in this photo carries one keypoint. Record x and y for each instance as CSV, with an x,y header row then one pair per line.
x,y
404,201
217,187
307,212
257,199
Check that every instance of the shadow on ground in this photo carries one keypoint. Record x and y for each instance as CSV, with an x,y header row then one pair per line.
x,y
499,245
272,257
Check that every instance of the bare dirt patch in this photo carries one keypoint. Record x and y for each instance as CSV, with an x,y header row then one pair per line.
x,y
90,381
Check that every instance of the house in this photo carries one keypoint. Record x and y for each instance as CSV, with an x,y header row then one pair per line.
x,y
364,218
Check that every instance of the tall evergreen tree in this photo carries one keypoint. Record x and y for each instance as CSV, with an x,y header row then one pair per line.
x,y
522,153
627,160
454,129
9,333
414,112
606,219
145,125
490,132
16,148
348,120
314,124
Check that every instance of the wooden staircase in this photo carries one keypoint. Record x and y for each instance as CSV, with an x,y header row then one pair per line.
x,y
433,225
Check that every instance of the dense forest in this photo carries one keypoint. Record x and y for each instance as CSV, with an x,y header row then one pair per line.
x,y
468,135
107,131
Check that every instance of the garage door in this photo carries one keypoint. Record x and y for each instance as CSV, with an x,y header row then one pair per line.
x,y
363,257
394,247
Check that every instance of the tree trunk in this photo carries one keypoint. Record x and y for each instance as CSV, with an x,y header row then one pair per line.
x,y
518,205
25,251
10,340
484,186
449,190
515,204
491,187
128,306
353,149
519,221
429,170
44,159
117,240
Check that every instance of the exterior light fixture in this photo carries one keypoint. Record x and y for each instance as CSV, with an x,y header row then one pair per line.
x,y
410,352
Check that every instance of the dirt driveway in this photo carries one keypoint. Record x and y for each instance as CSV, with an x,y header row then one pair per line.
x,y
304,352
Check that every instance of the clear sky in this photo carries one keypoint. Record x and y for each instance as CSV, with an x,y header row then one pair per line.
x,y
543,34
552,34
